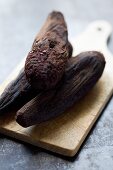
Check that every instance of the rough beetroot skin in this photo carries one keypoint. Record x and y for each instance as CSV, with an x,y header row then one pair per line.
x,y
45,63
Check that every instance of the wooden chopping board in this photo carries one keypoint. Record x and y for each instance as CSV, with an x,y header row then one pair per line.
x,y
66,133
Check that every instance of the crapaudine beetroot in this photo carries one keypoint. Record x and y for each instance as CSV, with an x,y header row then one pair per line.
x,y
17,93
45,63
81,74
20,91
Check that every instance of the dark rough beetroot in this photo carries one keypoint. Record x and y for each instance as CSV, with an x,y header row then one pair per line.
x,y
45,63
81,74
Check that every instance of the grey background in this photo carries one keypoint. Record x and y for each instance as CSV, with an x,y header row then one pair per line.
x,y
20,20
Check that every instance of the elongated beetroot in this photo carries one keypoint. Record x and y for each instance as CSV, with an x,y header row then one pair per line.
x,y
46,62
81,74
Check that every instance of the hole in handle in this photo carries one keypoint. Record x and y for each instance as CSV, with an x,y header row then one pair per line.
x,y
99,29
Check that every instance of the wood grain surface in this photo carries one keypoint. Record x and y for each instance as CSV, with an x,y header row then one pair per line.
x,y
66,133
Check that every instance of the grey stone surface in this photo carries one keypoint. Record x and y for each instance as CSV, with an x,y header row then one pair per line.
x,y
19,22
